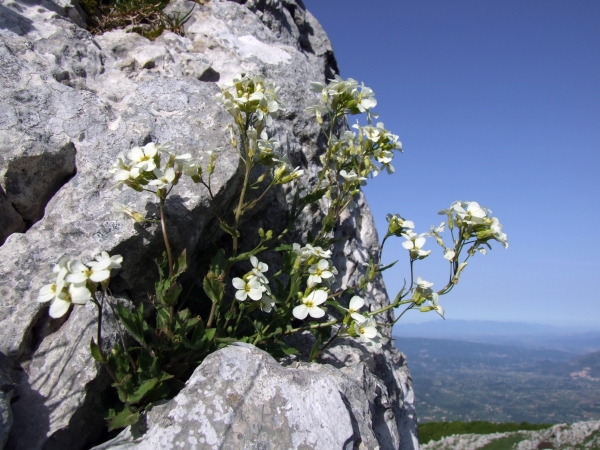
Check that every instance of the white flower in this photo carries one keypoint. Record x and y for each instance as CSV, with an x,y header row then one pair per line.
x,y
434,306
449,254
252,289
259,269
414,244
397,225
50,291
267,303
122,209
123,175
318,251
143,157
365,99
310,305
474,214
60,305
352,176
423,284
76,293
318,272
496,228
105,263
163,178
366,330
355,304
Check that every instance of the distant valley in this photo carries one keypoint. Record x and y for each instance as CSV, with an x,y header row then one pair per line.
x,y
519,381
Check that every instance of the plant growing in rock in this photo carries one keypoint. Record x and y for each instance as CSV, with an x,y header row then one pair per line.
x,y
244,298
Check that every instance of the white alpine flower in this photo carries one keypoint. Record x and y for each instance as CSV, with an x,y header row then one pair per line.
x,y
163,178
355,304
318,272
143,157
267,303
366,330
259,269
310,306
414,243
252,289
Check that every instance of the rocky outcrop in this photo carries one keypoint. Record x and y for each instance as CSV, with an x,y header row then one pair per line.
x,y
559,437
71,102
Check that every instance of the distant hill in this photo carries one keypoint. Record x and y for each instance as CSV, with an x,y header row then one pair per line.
x,y
459,380
575,340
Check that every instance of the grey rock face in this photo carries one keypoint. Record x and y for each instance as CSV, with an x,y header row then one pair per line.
x,y
239,398
69,104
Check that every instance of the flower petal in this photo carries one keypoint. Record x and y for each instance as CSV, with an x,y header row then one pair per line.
x,y
300,312
316,312
59,308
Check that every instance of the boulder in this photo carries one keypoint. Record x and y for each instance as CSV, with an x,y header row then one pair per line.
x,y
71,102
240,397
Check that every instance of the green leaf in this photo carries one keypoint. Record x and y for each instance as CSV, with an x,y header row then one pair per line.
x,y
134,323
386,267
97,352
313,196
162,318
121,419
294,210
210,333
284,247
218,262
329,222
181,263
213,287
315,349
140,392
171,295
287,349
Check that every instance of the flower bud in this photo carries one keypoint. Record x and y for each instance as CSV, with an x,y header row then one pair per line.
x,y
280,172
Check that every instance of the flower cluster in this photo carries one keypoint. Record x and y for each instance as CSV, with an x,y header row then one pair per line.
x,y
251,97
353,156
76,282
345,94
153,166
255,285
423,293
474,220
398,225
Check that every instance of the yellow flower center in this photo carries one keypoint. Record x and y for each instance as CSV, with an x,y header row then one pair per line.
x,y
309,303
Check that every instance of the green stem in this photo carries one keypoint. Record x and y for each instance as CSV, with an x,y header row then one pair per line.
x,y
163,223
311,327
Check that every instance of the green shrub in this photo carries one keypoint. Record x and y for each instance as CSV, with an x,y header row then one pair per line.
x,y
434,431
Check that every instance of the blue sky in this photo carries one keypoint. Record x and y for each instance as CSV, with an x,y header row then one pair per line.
x,y
496,102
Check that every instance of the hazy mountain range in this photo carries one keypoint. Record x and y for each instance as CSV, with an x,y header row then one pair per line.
x,y
502,372
575,340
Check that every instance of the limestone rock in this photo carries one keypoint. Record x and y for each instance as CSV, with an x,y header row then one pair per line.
x,y
69,104
239,398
